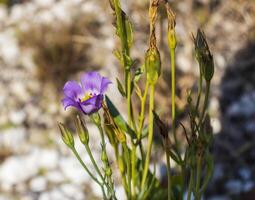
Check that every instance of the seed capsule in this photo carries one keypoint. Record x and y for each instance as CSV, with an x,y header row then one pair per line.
x,y
152,65
82,130
204,56
67,136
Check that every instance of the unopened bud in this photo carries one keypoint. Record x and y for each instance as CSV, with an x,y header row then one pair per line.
x,y
171,37
67,136
82,130
104,157
96,118
204,56
121,164
152,65
108,171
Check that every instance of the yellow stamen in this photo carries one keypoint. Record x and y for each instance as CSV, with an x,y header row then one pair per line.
x,y
87,96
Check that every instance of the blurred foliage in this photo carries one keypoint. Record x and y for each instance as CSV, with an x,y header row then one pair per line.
x,y
59,51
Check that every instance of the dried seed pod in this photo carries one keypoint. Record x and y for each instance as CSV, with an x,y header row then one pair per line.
x,y
204,56
152,65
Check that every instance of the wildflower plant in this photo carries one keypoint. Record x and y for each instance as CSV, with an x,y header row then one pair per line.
x,y
132,140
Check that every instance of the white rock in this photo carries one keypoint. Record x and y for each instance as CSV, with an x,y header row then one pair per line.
x,y
60,13
44,17
218,172
72,191
44,3
234,186
9,50
245,173
73,171
13,138
120,192
55,194
3,13
20,91
17,169
96,189
248,186
17,117
48,158
38,184
55,176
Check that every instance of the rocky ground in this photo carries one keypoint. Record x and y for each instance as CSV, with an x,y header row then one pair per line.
x,y
34,164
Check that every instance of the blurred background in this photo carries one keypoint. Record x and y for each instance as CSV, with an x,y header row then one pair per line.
x,y
44,43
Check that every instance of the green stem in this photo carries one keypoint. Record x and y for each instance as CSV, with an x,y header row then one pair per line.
x,y
110,186
191,180
172,55
94,162
198,178
133,170
150,136
141,117
84,166
199,89
88,171
207,92
127,159
169,187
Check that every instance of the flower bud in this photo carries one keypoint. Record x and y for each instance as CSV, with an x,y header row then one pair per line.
x,y
204,56
104,157
67,136
96,118
121,164
108,171
82,130
171,37
152,65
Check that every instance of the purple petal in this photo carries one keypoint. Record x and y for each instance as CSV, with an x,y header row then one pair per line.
x,y
94,82
92,105
72,89
69,102
104,84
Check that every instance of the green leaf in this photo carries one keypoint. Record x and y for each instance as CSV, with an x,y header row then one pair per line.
x,y
118,119
120,88
129,31
174,157
118,55
138,74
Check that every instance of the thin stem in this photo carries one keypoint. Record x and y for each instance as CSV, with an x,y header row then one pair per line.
x,y
141,120
141,117
198,178
191,180
94,162
133,170
84,166
169,187
150,136
199,89
88,171
172,55
110,187
207,92
127,159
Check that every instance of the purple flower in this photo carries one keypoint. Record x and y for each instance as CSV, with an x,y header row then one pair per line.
x,y
88,95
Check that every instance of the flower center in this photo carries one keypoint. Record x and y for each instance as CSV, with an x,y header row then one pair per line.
x,y
87,96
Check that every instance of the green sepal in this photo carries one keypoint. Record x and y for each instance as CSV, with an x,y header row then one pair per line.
x,y
120,88
82,130
67,136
